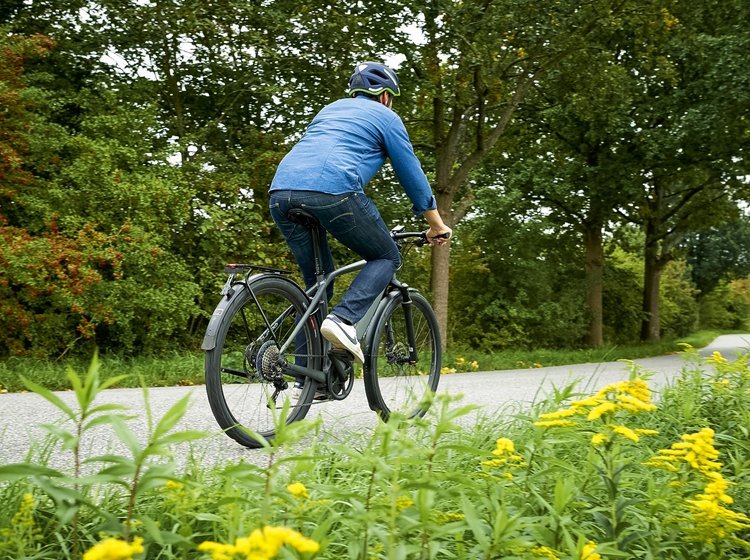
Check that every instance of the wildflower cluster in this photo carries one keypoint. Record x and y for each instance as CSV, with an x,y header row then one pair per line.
x,y
631,397
589,552
23,531
711,520
298,490
696,450
261,544
461,364
114,549
506,458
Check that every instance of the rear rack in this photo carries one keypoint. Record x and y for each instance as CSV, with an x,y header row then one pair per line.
x,y
234,268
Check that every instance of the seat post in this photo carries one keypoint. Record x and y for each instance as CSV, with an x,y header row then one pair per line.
x,y
300,216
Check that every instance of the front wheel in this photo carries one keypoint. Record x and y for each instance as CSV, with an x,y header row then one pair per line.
x,y
246,389
403,369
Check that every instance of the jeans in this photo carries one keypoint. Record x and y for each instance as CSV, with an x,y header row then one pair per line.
x,y
354,221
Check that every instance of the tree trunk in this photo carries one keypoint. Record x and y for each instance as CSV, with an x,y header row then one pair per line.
x,y
440,288
650,324
440,274
594,282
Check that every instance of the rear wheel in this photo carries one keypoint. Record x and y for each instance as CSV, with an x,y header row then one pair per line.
x,y
394,382
246,389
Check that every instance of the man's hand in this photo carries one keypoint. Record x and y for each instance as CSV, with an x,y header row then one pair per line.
x,y
439,233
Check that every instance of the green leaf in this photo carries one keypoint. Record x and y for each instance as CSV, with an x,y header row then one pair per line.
x,y
479,528
171,417
49,396
17,471
126,435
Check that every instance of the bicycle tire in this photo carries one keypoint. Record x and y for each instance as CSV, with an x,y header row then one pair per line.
x,y
391,383
238,391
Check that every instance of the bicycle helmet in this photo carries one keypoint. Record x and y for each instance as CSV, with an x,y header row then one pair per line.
x,y
373,78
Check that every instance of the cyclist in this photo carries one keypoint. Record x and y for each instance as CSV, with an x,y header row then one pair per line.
x,y
325,174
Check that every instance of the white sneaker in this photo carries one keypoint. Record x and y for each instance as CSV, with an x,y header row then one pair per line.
x,y
342,335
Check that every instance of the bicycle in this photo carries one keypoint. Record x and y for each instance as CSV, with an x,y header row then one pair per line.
x,y
264,334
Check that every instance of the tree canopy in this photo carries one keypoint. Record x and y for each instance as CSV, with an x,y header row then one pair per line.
x,y
587,155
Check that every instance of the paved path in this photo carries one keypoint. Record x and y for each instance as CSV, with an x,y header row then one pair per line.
x,y
492,391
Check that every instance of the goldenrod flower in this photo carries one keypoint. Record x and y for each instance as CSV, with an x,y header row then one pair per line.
x,y
114,549
404,502
505,455
173,485
544,552
696,450
599,410
626,432
554,423
588,552
298,490
564,413
261,544
599,439
443,517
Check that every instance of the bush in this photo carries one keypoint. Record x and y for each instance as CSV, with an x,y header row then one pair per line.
x,y
578,477
727,306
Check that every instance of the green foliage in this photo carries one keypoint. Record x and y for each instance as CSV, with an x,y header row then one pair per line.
x,y
576,474
137,143
727,306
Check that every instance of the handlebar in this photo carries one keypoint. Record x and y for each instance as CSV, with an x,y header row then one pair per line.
x,y
420,237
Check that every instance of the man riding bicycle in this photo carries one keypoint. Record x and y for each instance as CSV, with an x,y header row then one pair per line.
x,y
325,173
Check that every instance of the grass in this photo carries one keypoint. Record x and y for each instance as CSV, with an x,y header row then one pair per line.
x,y
186,368
573,477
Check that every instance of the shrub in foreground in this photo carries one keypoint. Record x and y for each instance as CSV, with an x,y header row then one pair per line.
x,y
613,474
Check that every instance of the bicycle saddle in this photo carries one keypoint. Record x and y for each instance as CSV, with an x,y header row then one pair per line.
x,y
303,218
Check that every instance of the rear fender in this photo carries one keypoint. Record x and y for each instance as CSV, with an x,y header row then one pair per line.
x,y
230,297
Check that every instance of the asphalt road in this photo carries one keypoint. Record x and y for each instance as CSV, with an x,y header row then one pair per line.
x,y
493,392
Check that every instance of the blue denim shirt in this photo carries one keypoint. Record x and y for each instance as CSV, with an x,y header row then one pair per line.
x,y
345,145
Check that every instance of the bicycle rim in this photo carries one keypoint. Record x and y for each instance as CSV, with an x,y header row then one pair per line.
x,y
245,390
395,385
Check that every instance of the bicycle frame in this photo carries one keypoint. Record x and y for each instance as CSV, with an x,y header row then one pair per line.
x,y
319,305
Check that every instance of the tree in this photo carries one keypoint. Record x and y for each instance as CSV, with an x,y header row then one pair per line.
x,y
478,62
690,137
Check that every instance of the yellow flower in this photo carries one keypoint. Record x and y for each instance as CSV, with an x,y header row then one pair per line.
x,y
544,552
505,455
261,544
696,450
503,445
588,552
601,409
564,413
626,432
443,517
598,439
404,502
298,490
217,551
114,549
24,517
474,365
554,423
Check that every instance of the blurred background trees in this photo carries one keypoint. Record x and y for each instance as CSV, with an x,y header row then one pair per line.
x,y
591,158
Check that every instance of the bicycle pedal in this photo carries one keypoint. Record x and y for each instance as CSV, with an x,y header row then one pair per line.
x,y
343,355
